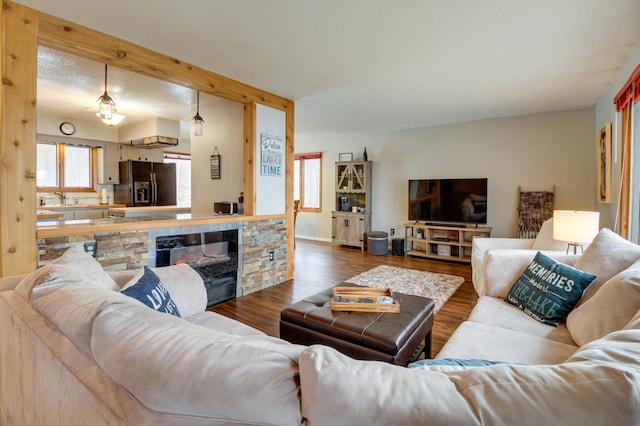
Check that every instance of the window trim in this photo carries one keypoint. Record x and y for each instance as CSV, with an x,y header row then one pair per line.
x,y
310,156
60,147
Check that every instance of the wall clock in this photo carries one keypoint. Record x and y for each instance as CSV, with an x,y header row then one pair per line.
x,y
67,128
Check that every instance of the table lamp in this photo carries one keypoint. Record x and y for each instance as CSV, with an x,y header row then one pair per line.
x,y
575,227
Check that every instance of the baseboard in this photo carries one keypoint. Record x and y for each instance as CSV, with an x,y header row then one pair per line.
x,y
306,237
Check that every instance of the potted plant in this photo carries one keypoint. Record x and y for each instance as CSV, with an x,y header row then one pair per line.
x,y
420,233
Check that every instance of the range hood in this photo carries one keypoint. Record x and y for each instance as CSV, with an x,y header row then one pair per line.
x,y
152,133
154,142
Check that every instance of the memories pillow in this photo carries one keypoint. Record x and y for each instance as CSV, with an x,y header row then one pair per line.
x,y
547,290
149,290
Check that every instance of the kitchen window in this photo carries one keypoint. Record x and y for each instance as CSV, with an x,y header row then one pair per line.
x,y
307,180
182,160
65,168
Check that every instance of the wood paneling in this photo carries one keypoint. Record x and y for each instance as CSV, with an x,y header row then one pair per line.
x,y
19,49
22,29
322,265
75,39
249,153
289,189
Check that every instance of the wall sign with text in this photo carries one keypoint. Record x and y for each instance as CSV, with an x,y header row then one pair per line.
x,y
271,153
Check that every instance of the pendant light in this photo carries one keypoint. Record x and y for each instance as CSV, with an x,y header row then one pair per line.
x,y
197,123
115,119
107,105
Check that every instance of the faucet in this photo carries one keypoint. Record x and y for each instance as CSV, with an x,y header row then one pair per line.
x,y
62,197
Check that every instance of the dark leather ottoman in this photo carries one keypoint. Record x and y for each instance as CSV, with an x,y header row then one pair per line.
x,y
391,337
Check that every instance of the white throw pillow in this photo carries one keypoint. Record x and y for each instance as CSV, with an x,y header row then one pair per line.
x,y
74,266
610,308
183,283
608,255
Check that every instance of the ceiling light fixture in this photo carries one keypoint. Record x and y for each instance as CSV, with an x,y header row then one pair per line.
x,y
115,119
197,121
107,105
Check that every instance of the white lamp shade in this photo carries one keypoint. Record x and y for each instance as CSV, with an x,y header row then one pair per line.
x,y
575,226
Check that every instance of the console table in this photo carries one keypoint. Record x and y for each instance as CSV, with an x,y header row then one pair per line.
x,y
449,242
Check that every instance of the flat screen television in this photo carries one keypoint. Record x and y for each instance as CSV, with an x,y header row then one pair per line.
x,y
448,200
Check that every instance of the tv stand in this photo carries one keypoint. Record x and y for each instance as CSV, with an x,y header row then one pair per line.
x,y
441,241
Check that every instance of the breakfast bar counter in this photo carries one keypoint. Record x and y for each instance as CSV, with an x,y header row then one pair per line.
x,y
146,211
61,228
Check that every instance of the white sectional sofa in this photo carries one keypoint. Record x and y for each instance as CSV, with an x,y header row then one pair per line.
x,y
75,351
544,242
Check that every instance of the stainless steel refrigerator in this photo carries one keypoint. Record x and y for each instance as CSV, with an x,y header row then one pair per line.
x,y
144,183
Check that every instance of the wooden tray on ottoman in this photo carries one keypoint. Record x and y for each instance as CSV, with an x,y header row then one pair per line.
x,y
362,299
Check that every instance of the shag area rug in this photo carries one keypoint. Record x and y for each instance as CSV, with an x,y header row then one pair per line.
x,y
438,287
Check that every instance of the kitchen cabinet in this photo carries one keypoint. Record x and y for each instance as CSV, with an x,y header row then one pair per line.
x,y
142,154
90,214
82,212
108,159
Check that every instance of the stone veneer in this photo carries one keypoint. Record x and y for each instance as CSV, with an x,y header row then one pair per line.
x,y
259,239
135,249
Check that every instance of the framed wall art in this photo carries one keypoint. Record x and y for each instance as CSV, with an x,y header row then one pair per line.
x,y
271,155
345,156
604,163
215,163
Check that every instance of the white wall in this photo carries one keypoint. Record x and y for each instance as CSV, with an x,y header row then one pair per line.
x,y
223,128
606,113
50,125
270,190
535,152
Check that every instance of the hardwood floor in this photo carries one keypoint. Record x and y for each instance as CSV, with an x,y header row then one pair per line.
x,y
321,265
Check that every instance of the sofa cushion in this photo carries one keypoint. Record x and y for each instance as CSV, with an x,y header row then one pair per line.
x,y
581,393
544,240
339,390
149,290
483,341
620,347
495,311
609,309
175,367
548,290
608,255
376,393
73,308
74,266
220,323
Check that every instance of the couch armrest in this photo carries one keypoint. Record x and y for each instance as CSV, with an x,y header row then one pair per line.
x,y
10,282
502,267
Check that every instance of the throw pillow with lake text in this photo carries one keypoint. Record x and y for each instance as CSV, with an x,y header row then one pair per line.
x,y
548,290
150,290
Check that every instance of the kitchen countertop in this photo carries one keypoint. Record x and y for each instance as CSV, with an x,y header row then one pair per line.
x,y
81,206
151,209
47,214
60,228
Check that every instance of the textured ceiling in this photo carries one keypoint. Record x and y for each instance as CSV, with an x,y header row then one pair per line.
x,y
365,65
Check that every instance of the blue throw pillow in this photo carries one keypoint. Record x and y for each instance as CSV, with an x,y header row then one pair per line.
x,y
547,290
452,364
150,291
